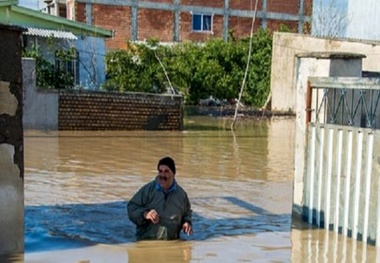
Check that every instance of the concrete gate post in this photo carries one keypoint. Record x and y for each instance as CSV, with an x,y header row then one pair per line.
x,y
11,143
315,64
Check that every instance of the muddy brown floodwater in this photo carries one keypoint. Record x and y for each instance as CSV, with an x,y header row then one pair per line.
x,y
77,186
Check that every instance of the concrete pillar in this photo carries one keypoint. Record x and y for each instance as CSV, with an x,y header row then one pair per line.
x,y
316,64
11,143
40,106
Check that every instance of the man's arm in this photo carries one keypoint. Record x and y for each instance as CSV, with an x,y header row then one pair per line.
x,y
187,217
136,208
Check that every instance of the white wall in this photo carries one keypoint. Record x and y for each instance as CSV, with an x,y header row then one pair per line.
x,y
285,48
364,19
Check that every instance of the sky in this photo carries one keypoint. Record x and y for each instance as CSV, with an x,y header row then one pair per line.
x,y
33,4
338,3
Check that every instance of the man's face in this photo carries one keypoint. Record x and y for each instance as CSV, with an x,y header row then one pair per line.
x,y
165,176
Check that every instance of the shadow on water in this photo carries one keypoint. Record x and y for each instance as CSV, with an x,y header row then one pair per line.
x,y
258,221
69,226
76,225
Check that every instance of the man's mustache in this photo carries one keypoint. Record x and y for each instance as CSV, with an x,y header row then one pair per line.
x,y
161,177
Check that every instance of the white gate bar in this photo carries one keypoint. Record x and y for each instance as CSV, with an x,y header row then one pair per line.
x,y
327,246
347,184
367,189
354,252
338,174
309,250
344,82
364,255
312,171
336,246
328,178
320,172
355,214
344,249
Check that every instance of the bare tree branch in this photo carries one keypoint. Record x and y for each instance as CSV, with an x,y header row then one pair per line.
x,y
329,19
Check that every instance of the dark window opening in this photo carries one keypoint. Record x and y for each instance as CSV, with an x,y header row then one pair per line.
x,y
202,22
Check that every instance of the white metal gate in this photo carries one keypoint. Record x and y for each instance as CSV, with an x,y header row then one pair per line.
x,y
342,191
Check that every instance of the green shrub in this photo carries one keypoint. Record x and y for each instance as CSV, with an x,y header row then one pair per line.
x,y
215,68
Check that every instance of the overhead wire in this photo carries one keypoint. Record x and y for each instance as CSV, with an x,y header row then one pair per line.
x,y
247,67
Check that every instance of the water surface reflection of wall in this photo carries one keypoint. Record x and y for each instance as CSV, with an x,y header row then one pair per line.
x,y
281,136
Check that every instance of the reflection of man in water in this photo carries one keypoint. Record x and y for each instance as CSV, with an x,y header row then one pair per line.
x,y
161,208
159,252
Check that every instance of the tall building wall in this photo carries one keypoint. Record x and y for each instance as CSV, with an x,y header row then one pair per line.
x,y
364,19
172,20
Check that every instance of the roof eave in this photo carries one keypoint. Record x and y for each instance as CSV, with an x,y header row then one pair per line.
x,y
8,3
66,24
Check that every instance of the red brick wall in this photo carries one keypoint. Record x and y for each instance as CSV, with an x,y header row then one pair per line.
x,y
241,27
308,7
117,18
114,111
281,6
217,26
185,24
275,24
80,12
157,24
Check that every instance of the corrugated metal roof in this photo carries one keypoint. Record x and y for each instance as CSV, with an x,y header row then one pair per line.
x,y
32,31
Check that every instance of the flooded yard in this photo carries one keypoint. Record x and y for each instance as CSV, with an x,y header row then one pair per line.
x,y
78,184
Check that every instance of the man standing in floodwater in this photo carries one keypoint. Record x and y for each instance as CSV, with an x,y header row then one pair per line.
x,y
161,208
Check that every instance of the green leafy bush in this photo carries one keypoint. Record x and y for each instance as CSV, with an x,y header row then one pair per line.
x,y
214,68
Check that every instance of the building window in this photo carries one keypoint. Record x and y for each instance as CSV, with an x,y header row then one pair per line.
x,y
62,10
202,23
68,62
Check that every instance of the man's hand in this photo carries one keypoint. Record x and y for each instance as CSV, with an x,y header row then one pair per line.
x,y
152,215
187,228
